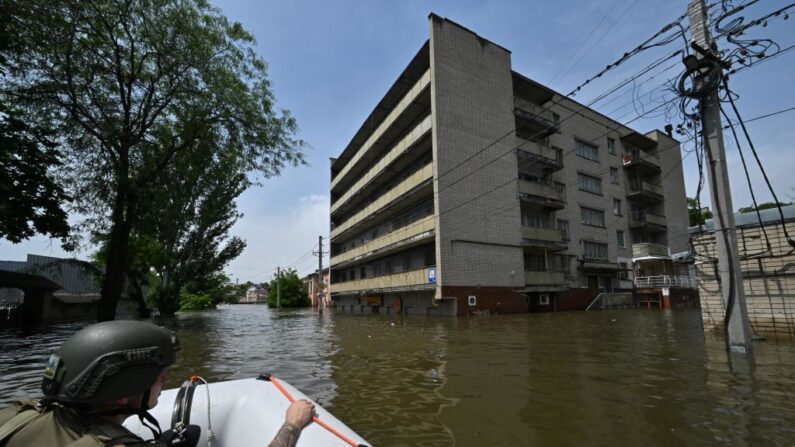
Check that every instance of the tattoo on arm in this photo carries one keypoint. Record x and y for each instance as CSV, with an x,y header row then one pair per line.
x,y
286,437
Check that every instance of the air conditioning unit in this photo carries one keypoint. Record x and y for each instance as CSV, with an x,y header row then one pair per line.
x,y
543,299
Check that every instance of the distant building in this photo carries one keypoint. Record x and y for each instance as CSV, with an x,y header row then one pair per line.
x,y
318,291
471,188
768,274
74,296
255,294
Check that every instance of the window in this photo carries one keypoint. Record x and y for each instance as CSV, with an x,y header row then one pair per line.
x,y
533,221
593,217
617,207
611,146
388,266
563,226
543,299
586,150
620,239
430,257
363,273
406,263
594,250
377,269
589,183
555,118
614,175
561,187
535,263
623,271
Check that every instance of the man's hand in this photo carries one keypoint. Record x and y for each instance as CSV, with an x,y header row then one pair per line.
x,y
300,413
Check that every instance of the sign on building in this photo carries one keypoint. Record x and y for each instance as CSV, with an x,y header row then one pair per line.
x,y
431,276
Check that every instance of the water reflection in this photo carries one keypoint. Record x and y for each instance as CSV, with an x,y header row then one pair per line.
x,y
596,378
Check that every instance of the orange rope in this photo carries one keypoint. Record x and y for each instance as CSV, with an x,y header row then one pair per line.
x,y
314,418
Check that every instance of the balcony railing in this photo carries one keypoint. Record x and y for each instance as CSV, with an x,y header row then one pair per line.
x,y
390,119
401,189
400,237
537,121
535,154
644,219
541,234
644,282
637,157
382,165
644,191
544,193
648,249
544,278
411,279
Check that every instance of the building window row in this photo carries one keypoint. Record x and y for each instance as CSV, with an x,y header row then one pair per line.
x,y
403,262
404,219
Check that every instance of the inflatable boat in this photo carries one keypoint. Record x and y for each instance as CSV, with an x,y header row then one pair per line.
x,y
240,413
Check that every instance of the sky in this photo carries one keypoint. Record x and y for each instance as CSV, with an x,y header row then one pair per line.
x,y
330,62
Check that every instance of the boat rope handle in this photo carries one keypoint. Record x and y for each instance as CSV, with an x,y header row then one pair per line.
x,y
289,397
210,434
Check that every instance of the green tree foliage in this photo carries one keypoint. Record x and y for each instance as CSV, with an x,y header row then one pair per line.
x,y
30,197
763,206
130,87
195,301
695,215
293,291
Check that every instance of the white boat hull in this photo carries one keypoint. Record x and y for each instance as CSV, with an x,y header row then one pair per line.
x,y
247,412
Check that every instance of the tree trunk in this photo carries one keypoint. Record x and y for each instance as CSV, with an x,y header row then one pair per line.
x,y
142,310
118,250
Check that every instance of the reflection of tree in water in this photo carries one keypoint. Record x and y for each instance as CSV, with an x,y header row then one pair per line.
x,y
389,373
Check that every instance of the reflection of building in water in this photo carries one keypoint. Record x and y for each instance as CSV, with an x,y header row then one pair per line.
x,y
472,188
768,272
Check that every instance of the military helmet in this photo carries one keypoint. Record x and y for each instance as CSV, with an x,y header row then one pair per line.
x,y
107,361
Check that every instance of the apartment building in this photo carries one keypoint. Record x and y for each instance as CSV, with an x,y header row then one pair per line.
x,y
471,188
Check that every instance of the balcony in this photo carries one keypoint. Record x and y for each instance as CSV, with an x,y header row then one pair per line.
x,y
544,194
543,237
419,87
401,238
385,163
646,249
647,221
645,192
533,157
654,282
533,121
395,194
544,279
642,160
411,280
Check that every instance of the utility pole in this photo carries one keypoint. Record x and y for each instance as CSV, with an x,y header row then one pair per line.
x,y
319,274
278,287
738,330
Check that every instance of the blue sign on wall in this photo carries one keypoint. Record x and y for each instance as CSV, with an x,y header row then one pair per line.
x,y
431,276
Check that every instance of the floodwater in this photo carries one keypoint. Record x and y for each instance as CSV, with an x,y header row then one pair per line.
x,y
574,378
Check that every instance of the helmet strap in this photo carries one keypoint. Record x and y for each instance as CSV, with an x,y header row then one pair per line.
x,y
144,416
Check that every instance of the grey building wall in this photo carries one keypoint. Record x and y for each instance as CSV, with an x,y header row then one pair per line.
x,y
673,183
475,167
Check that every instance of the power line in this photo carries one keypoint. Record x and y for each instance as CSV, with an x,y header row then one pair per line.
x,y
758,117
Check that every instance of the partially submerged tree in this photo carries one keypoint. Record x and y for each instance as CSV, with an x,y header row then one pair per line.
x,y
129,86
291,290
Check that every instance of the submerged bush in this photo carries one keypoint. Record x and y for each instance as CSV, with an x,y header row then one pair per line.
x,y
195,301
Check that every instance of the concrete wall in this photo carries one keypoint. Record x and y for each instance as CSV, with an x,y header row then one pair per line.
x,y
769,281
475,172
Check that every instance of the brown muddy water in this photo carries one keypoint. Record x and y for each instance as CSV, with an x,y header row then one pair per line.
x,y
568,379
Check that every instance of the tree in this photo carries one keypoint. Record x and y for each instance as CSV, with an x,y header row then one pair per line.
x,y
763,206
293,291
129,86
30,198
695,215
